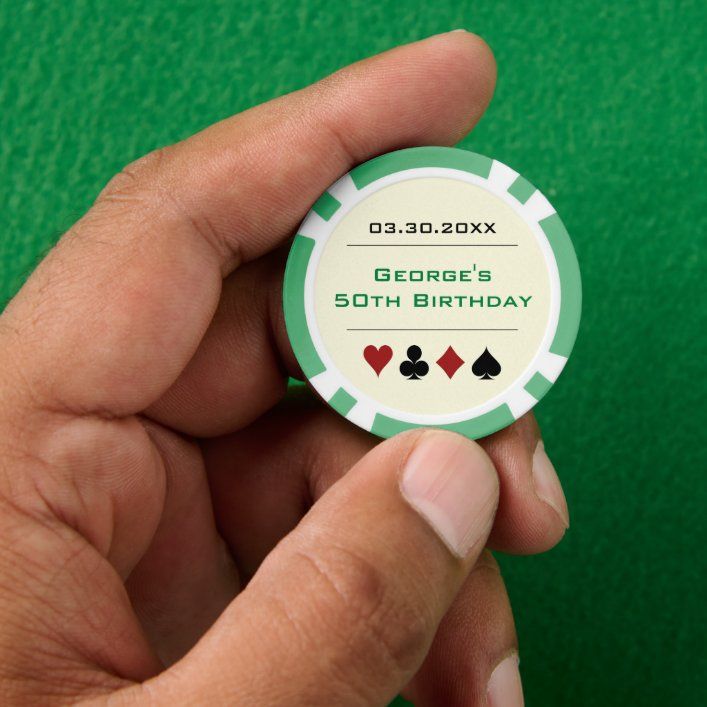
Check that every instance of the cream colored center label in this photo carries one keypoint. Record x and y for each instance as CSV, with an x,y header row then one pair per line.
x,y
432,296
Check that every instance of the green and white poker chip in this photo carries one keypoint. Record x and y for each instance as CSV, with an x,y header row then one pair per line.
x,y
432,287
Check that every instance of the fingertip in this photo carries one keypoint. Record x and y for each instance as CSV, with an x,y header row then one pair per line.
x,y
470,61
532,515
446,81
547,484
472,50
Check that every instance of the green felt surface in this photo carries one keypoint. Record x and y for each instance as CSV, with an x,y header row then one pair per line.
x,y
601,105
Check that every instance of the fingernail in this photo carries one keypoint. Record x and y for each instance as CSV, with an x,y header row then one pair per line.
x,y
547,484
452,484
505,688
449,31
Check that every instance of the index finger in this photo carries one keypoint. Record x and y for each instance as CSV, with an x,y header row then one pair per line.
x,y
115,312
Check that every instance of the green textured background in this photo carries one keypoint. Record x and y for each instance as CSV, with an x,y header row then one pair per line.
x,y
599,104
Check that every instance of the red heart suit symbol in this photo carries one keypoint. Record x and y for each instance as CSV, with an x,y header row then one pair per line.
x,y
379,358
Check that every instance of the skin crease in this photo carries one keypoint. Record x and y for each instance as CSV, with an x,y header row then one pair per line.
x,y
174,528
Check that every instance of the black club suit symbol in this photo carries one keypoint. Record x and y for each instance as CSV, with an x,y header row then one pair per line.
x,y
414,368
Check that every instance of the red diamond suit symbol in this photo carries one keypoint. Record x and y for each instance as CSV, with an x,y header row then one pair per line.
x,y
450,362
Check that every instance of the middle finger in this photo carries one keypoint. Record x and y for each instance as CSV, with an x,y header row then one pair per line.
x,y
265,477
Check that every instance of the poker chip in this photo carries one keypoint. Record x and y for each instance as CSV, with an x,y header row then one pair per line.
x,y
432,287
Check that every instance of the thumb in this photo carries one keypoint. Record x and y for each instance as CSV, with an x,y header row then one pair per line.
x,y
344,609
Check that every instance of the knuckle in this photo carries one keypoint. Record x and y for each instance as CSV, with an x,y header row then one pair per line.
x,y
386,623
154,184
135,178
353,579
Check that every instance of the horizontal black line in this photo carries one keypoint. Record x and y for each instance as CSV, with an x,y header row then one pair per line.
x,y
454,329
431,245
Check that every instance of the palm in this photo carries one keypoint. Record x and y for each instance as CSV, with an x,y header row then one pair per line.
x,y
229,500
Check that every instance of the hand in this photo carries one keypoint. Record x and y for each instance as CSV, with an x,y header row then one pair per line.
x,y
171,530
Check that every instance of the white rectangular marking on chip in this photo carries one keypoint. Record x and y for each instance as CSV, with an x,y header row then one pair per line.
x,y
343,189
501,175
520,401
538,207
314,226
362,415
326,384
550,365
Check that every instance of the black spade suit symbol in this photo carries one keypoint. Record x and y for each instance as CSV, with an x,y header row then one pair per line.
x,y
486,367
414,369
